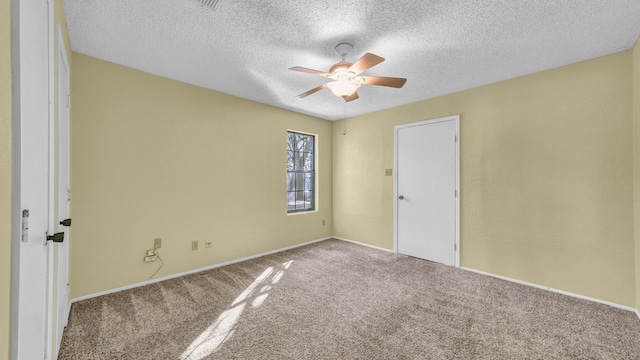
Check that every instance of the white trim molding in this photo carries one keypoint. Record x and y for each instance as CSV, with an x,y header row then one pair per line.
x,y
148,282
173,276
562,292
363,244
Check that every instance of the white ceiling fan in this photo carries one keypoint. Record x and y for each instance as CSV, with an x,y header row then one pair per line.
x,y
346,76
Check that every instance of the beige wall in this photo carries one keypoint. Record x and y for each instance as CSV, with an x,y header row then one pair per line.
x,y
546,173
153,157
5,178
636,163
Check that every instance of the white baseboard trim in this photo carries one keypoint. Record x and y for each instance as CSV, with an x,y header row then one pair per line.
x,y
623,307
173,276
168,277
363,244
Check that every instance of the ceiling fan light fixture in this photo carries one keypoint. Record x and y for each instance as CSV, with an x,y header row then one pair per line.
x,y
343,87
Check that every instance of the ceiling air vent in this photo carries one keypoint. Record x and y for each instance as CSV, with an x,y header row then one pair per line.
x,y
212,4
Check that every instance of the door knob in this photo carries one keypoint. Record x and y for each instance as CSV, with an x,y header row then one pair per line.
x,y
65,222
401,197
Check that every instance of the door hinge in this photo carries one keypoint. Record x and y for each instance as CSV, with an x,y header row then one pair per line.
x,y
25,225
455,138
455,247
455,192
68,100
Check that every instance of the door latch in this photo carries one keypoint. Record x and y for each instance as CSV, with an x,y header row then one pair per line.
x,y
57,237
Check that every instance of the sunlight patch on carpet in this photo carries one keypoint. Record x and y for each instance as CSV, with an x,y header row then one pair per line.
x,y
223,328
249,290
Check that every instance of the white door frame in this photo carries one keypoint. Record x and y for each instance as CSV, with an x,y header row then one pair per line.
x,y
52,184
31,300
62,250
456,120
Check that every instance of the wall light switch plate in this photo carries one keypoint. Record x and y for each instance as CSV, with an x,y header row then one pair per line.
x,y
207,243
157,243
194,245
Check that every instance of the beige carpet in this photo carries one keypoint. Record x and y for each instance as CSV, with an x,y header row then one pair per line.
x,y
337,300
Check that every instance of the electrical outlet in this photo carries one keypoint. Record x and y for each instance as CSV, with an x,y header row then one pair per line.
x,y
150,258
194,245
207,243
157,243
151,252
324,222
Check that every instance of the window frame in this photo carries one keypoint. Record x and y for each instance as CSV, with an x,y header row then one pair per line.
x,y
313,172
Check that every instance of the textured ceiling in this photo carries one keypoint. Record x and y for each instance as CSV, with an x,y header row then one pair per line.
x,y
244,48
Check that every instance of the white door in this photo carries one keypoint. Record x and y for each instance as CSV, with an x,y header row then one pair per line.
x,y
426,190
30,296
63,194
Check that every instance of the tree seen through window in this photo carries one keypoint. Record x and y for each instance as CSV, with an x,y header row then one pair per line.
x,y
300,172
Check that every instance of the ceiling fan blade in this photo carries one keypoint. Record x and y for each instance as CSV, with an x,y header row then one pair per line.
x,y
384,81
309,71
314,90
367,61
351,97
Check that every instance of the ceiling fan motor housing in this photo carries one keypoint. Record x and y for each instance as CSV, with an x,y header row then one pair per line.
x,y
341,66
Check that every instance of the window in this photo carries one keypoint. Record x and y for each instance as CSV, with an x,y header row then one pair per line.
x,y
301,172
